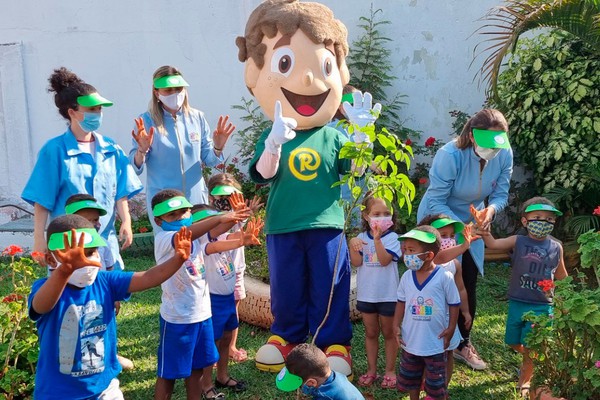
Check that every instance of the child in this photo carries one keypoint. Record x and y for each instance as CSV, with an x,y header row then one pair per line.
x,y
73,311
306,365
187,347
426,315
535,257
221,187
86,206
221,280
375,251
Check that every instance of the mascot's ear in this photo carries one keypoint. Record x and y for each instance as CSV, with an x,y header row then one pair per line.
x,y
345,74
251,73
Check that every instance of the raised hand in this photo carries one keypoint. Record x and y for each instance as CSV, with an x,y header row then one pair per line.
x,y
362,112
254,205
182,243
235,216
376,231
483,218
73,256
468,234
223,131
143,139
283,127
237,201
251,232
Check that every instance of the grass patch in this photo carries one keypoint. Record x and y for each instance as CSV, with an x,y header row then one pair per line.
x,y
138,340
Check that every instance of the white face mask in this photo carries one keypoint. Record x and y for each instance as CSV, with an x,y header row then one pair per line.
x,y
485,153
173,101
84,276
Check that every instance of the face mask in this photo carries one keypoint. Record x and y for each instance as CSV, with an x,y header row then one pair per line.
x,y
81,277
97,226
173,101
485,153
91,121
176,225
384,223
222,204
539,229
413,261
448,243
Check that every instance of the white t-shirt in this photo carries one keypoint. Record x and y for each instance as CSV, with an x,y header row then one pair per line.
x,y
185,296
376,283
220,269
426,308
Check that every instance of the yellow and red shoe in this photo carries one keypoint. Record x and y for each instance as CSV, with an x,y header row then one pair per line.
x,y
271,356
340,360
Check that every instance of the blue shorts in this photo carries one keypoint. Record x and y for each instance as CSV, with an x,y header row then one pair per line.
x,y
516,328
224,314
184,348
386,309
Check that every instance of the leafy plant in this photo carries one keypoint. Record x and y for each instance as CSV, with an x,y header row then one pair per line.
x,y
247,136
18,334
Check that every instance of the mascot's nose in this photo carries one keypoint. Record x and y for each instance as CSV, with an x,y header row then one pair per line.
x,y
308,77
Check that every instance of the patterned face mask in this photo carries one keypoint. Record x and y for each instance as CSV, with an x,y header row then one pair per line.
x,y
448,243
222,204
539,228
413,261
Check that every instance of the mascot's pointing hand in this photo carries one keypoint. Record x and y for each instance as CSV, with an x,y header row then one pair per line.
x,y
362,112
282,131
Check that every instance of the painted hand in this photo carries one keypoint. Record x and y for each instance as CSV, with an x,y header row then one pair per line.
x,y
237,201
182,242
73,256
143,139
223,131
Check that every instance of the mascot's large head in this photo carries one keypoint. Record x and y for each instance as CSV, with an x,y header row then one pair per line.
x,y
295,53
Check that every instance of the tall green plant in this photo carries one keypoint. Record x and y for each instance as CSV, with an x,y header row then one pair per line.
x,y
247,136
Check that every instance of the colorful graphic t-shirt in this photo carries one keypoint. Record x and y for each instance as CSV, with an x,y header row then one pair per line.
x,y
426,308
78,339
220,269
375,282
532,261
301,195
185,297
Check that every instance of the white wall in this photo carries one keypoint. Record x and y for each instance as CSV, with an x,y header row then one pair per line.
x,y
116,45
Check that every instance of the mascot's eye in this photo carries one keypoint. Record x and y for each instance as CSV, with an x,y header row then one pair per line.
x,y
282,61
327,64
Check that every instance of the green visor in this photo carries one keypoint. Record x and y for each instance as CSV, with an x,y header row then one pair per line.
x,y
82,205
349,97
425,237
491,139
172,204
543,207
93,100
287,381
442,222
91,239
224,190
170,81
200,215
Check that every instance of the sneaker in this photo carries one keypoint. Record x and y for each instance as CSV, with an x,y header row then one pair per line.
x,y
340,360
271,356
469,356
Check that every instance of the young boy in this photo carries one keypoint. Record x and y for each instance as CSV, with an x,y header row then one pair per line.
x,y
535,257
73,310
306,365
426,315
187,347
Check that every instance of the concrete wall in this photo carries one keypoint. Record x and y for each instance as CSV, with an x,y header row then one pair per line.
x,y
116,45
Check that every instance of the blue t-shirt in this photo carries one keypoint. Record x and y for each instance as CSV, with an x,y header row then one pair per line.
x,y
78,339
336,387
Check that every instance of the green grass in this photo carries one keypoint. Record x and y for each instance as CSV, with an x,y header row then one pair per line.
x,y
138,340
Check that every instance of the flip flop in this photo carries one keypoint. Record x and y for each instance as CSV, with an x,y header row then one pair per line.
x,y
366,380
388,382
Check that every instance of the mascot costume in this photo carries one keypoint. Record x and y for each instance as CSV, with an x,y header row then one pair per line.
x,y
294,54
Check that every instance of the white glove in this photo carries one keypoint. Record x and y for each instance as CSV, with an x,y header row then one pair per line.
x,y
281,132
362,112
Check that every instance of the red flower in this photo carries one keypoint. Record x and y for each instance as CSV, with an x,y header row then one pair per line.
x,y
12,297
408,142
12,250
143,229
430,141
36,255
220,167
546,285
423,181
596,211
235,160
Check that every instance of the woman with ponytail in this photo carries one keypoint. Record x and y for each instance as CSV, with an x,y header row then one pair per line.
x,y
81,161
474,168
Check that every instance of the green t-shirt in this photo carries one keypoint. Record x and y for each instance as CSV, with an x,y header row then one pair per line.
x,y
301,196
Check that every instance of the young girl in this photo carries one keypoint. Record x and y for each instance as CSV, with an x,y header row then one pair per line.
x,y
376,252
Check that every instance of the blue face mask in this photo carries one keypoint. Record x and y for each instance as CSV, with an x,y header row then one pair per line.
x,y
176,225
91,121
413,261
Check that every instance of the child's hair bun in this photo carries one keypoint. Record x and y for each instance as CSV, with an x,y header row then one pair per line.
x,y
62,78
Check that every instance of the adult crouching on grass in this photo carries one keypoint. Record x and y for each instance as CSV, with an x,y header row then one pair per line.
x,y
474,168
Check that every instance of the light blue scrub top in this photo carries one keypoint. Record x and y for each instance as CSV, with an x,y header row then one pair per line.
x,y
62,170
455,182
175,159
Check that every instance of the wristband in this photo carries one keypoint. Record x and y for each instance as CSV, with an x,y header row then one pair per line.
x,y
217,149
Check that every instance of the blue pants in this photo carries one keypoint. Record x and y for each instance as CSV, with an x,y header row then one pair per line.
x,y
301,268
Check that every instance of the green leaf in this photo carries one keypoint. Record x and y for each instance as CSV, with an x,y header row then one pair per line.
x,y
537,64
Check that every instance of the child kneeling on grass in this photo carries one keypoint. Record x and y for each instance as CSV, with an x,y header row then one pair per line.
x,y
426,315
74,311
306,366
536,257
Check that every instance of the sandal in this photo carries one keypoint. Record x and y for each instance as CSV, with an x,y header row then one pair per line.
x,y
388,382
367,379
232,384
212,394
240,355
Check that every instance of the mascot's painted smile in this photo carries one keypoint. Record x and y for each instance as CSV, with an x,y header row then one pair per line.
x,y
303,104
